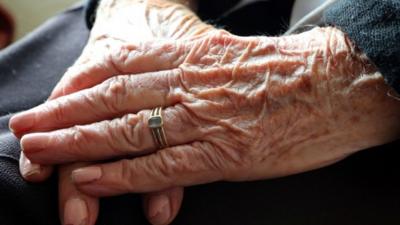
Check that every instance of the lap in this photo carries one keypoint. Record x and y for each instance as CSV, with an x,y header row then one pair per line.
x,y
359,190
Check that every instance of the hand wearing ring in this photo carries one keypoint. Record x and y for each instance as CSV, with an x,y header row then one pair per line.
x,y
234,108
87,72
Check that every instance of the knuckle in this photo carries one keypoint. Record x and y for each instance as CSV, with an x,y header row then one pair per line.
x,y
127,175
56,109
222,32
120,55
131,172
113,93
79,139
110,136
130,131
174,77
220,37
188,160
90,99
182,119
174,162
119,58
75,75
182,80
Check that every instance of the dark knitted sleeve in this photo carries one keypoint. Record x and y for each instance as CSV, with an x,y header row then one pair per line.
x,y
90,12
374,26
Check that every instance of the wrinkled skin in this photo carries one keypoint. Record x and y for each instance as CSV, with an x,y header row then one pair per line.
x,y
168,21
155,20
235,109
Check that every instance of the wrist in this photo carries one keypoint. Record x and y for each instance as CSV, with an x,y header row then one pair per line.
x,y
365,115
345,98
324,101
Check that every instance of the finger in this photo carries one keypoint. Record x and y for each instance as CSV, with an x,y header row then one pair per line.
x,y
75,207
126,136
163,206
33,172
114,58
113,98
177,166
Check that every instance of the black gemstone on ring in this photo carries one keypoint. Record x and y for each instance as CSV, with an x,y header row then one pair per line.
x,y
155,122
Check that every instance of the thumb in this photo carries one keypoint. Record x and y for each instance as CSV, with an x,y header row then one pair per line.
x,y
75,207
162,207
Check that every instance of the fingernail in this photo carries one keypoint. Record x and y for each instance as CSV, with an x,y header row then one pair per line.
x,y
21,122
10,127
159,210
29,169
35,142
75,212
86,175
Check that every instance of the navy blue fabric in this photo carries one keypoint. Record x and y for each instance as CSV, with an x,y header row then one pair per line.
x,y
361,190
374,25
230,15
90,12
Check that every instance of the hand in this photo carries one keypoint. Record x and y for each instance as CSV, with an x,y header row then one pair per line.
x,y
235,109
117,25
78,208
114,27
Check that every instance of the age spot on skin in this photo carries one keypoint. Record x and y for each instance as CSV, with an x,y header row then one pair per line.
x,y
304,84
355,119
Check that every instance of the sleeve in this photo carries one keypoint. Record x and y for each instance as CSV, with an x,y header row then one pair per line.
x,y
90,12
374,26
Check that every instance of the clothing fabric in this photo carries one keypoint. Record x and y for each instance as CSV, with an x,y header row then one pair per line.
x,y
361,190
301,8
374,25
313,18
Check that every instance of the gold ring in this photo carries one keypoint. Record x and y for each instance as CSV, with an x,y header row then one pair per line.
x,y
155,124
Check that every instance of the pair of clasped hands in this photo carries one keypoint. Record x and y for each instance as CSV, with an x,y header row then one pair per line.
x,y
235,109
